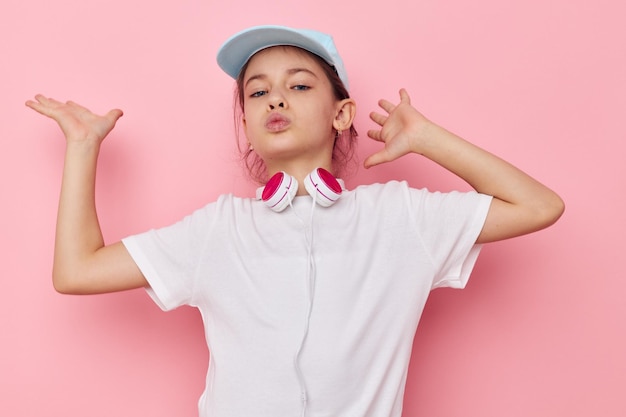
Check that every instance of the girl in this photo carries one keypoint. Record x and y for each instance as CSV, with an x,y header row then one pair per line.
x,y
311,311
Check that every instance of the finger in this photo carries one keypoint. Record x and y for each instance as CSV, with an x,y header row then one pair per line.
x,y
38,97
376,135
77,107
378,118
114,115
74,104
386,105
404,96
31,103
41,98
375,159
38,106
38,100
48,101
43,104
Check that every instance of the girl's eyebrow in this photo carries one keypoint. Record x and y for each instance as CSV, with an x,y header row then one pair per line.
x,y
289,72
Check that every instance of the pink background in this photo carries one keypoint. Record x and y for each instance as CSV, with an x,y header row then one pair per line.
x,y
538,332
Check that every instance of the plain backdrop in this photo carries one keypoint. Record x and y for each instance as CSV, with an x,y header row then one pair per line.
x,y
539,331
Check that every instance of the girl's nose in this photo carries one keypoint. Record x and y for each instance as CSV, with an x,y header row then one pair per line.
x,y
276,100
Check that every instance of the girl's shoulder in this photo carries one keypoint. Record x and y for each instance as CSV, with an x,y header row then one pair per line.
x,y
382,190
400,193
389,186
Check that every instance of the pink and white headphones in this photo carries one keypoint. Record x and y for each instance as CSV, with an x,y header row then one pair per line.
x,y
280,190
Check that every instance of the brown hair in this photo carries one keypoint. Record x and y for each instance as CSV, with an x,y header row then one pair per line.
x,y
343,149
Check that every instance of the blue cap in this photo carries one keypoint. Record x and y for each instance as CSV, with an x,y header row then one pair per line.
x,y
239,48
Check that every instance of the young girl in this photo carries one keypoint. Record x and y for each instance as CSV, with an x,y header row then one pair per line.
x,y
310,293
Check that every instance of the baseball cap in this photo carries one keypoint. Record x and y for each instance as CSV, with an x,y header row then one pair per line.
x,y
240,47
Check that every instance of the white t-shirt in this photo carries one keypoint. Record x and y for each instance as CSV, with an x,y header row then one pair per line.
x,y
321,301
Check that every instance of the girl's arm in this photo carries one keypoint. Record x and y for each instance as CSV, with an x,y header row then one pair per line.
x,y
521,204
82,262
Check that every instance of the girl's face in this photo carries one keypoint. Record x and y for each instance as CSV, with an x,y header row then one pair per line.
x,y
289,109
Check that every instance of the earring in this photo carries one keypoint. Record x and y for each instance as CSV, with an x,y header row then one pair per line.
x,y
338,134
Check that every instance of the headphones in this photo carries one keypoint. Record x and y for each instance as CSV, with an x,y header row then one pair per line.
x,y
277,194
280,190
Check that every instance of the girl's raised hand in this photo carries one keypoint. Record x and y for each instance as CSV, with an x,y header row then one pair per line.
x,y
77,122
401,131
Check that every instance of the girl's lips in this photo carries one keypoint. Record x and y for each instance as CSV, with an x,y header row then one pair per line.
x,y
277,122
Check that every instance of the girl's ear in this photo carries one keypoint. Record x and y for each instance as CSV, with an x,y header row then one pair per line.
x,y
346,110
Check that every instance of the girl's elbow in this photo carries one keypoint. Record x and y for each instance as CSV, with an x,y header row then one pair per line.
x,y
559,208
65,282
61,285
551,211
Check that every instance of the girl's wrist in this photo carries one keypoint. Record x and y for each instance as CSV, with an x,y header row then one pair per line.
x,y
428,137
82,146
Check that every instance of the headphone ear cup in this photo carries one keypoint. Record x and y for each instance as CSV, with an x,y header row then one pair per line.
x,y
279,191
323,187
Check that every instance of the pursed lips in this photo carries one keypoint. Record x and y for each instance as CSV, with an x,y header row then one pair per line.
x,y
277,122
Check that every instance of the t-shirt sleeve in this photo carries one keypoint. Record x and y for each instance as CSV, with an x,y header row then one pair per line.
x,y
449,224
168,256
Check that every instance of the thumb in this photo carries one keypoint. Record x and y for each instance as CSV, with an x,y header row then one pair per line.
x,y
377,158
114,115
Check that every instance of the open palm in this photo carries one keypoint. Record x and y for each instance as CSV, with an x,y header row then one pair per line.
x,y
76,122
401,129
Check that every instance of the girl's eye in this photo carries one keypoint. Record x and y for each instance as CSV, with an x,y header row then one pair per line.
x,y
301,87
258,93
